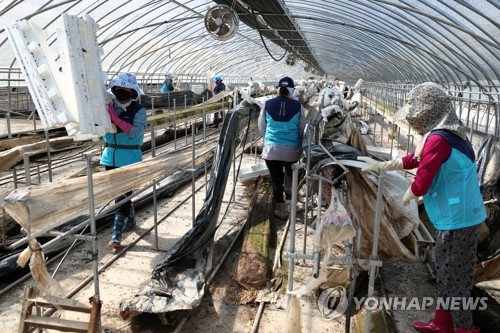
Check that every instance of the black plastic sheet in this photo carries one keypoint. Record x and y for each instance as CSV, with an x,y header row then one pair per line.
x,y
178,282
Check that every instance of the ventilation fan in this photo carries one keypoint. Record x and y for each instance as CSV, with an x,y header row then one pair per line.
x,y
221,22
290,60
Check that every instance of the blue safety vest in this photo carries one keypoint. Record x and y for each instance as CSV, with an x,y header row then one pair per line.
x,y
129,149
454,200
282,117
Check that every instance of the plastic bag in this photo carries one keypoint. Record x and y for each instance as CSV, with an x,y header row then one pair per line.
x,y
336,224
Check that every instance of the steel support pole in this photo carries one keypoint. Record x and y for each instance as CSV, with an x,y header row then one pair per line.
x,y
175,127
293,221
49,159
27,174
193,180
374,254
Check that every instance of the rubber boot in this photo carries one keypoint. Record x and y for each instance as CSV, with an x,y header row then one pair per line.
x,y
116,237
441,323
281,212
130,221
464,330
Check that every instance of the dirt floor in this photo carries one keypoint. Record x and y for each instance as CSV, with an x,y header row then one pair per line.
x,y
226,307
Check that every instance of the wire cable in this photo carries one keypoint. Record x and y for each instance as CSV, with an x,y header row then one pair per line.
x,y
262,38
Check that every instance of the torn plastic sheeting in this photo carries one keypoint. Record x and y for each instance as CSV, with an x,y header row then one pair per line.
x,y
178,282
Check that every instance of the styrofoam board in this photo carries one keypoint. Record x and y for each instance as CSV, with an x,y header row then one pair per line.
x,y
252,171
70,92
80,56
40,70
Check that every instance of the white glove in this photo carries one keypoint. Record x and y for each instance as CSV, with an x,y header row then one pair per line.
x,y
373,165
409,196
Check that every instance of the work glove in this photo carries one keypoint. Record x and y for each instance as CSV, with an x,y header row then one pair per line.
x,y
122,124
409,196
373,165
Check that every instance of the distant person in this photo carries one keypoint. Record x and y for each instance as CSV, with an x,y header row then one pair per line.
x,y
281,123
447,179
168,83
219,87
124,146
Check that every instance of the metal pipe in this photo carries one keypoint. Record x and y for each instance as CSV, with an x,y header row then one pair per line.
x,y
14,176
27,175
374,256
308,171
49,159
185,122
153,133
93,229
193,180
175,127
293,221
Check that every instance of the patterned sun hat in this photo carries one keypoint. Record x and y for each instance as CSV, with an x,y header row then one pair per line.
x,y
429,107
125,80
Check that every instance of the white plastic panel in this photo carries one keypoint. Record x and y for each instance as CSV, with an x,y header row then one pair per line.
x,y
67,88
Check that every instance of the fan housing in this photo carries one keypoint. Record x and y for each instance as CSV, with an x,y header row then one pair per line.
x,y
221,22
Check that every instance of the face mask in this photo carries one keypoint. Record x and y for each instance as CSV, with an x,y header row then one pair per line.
x,y
124,105
122,95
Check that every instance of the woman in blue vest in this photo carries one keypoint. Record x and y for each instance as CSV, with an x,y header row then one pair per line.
x,y
168,83
281,123
447,180
124,146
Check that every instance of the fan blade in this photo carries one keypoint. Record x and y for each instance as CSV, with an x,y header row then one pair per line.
x,y
217,12
212,26
228,18
224,29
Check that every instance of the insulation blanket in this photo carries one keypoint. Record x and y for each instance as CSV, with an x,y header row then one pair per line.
x,y
178,282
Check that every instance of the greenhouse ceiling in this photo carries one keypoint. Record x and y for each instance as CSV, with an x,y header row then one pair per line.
x,y
376,40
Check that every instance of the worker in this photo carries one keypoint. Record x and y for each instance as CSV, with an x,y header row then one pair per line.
x,y
219,87
447,179
168,83
281,123
124,146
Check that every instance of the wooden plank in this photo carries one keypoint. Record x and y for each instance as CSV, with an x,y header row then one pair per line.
x,y
42,208
13,156
253,267
63,325
61,303
25,310
187,114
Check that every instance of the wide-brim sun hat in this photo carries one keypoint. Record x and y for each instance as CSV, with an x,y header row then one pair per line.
x,y
427,98
428,106
125,80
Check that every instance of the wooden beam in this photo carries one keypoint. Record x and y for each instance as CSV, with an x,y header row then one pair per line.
x,y
41,208
63,325
13,156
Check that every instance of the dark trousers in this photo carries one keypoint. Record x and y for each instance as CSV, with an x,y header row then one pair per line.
x,y
278,177
455,262
124,209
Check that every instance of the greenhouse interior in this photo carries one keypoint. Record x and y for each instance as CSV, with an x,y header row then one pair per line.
x,y
250,166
